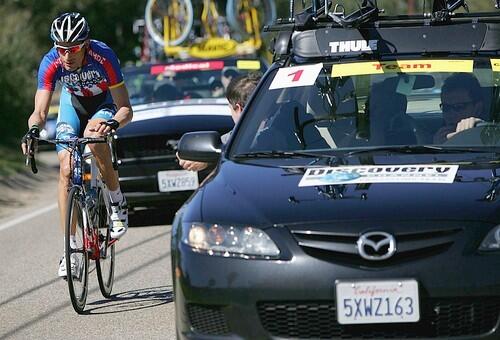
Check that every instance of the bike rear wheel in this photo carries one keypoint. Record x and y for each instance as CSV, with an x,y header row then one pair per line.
x,y
77,260
179,15
105,265
240,18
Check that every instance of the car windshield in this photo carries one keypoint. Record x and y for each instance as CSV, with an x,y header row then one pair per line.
x,y
184,80
374,104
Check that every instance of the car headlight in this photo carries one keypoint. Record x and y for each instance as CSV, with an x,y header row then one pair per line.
x,y
492,241
228,240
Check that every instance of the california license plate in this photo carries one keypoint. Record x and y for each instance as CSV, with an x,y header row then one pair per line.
x,y
177,180
363,302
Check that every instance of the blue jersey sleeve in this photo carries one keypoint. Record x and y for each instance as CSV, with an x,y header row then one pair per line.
x,y
48,71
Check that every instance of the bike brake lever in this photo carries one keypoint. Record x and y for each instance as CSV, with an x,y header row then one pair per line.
x,y
30,155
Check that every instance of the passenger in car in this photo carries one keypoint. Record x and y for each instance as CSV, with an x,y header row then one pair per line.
x,y
228,73
390,125
462,104
237,93
216,89
166,92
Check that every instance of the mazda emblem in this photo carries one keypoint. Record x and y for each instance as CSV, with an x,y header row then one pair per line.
x,y
376,246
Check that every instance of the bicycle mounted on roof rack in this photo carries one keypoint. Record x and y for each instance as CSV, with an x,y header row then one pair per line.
x,y
311,32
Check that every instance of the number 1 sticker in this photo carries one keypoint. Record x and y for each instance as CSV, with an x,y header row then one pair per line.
x,y
296,76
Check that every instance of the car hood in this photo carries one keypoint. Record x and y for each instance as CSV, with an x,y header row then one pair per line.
x,y
178,117
246,193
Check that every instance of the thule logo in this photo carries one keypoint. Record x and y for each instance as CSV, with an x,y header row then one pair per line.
x,y
353,46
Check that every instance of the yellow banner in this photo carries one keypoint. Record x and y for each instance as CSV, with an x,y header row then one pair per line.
x,y
213,48
402,66
248,64
495,65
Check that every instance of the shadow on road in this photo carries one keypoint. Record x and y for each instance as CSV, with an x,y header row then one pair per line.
x,y
17,189
152,217
132,300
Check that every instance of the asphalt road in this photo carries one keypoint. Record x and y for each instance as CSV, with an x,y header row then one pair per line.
x,y
34,302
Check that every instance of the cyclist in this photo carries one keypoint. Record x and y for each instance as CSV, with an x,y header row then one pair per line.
x,y
94,101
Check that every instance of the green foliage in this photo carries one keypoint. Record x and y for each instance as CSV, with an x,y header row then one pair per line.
x,y
18,58
110,21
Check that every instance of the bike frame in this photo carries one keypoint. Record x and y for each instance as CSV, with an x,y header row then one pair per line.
x,y
91,192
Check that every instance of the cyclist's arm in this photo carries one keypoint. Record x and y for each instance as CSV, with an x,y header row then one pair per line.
x,y
42,104
124,109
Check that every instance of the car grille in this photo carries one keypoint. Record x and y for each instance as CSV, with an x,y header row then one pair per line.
x,y
341,248
147,146
440,318
207,319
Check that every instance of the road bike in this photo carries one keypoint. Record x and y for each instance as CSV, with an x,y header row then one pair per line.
x,y
170,22
87,218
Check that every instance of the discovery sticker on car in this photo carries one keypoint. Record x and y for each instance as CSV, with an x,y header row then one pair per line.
x,y
420,173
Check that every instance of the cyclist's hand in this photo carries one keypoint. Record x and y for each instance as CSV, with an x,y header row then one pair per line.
x,y
34,132
111,125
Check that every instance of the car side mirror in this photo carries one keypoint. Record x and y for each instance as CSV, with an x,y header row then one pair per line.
x,y
203,146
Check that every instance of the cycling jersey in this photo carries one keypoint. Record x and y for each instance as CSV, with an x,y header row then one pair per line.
x,y
100,71
84,94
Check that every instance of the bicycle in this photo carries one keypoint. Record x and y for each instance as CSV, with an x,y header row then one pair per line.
x,y
87,218
248,17
170,22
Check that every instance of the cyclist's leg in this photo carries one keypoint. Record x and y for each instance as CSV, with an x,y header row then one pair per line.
x,y
110,176
68,126
106,110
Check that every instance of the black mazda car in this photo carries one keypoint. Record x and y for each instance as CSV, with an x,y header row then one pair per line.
x,y
357,197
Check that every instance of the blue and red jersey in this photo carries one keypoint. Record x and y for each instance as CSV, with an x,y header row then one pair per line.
x,y
100,71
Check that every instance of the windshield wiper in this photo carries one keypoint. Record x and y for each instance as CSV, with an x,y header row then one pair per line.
x,y
280,154
418,149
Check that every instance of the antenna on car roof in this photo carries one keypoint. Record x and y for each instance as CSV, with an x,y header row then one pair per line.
x,y
311,14
368,11
442,10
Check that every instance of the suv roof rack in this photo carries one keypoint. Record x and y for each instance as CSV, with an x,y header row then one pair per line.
x,y
317,26
368,12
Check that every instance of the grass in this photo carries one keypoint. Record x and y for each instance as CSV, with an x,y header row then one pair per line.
x,y
11,160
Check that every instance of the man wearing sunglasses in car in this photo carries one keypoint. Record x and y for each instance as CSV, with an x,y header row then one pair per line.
x,y
94,101
462,105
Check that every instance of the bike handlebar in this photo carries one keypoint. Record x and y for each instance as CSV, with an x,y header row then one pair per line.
x,y
109,139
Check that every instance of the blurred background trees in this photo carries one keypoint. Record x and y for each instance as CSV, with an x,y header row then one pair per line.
x,y
24,38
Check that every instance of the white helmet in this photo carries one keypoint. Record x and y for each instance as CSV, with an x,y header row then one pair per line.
x,y
69,27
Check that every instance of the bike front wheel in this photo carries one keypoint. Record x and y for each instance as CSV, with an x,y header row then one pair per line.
x,y
169,17
105,265
241,18
76,254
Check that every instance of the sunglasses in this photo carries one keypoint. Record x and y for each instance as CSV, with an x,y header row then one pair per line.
x,y
69,49
455,107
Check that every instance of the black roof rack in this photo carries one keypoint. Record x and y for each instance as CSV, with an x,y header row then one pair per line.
x,y
319,32
320,11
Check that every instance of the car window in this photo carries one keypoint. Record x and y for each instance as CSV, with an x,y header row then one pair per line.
x,y
185,80
353,105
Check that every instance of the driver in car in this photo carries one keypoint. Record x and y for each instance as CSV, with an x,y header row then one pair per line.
x,y
462,105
